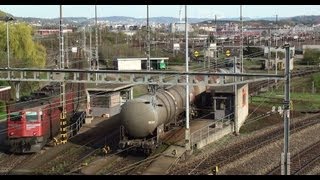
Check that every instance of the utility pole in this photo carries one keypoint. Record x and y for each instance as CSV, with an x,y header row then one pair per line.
x,y
269,53
90,47
100,41
215,21
215,51
96,50
285,156
7,19
84,39
148,40
67,52
63,114
236,122
61,66
8,45
241,41
276,60
187,132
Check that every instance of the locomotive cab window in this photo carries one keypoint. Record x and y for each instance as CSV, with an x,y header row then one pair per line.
x,y
32,116
15,116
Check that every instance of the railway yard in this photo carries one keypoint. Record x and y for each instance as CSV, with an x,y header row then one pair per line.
x,y
250,152
253,153
217,103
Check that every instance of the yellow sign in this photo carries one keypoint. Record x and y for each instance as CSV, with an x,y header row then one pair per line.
x,y
196,53
228,53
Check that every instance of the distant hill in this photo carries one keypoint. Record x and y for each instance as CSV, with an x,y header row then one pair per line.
x,y
164,20
307,20
3,14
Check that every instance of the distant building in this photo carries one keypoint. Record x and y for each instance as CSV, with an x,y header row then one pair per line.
x,y
208,28
180,27
302,28
140,63
270,64
46,32
273,49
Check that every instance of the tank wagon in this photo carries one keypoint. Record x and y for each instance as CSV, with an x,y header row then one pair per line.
x,y
145,119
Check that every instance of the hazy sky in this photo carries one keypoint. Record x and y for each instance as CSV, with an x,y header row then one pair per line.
x,y
204,11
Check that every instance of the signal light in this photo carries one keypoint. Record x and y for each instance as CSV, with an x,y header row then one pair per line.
x,y
11,133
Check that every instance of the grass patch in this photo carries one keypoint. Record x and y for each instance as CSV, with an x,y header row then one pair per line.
x,y
254,124
139,90
3,112
3,116
301,101
300,94
316,78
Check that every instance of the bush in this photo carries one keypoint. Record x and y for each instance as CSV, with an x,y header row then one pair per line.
x,y
316,79
2,106
311,57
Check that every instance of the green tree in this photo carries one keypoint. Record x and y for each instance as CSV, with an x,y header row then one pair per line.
x,y
23,50
311,57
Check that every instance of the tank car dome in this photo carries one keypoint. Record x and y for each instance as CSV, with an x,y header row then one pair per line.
x,y
139,117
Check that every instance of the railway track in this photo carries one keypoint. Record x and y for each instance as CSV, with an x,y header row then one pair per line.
x,y
257,86
130,165
8,163
227,155
302,161
63,158
70,159
122,163
97,144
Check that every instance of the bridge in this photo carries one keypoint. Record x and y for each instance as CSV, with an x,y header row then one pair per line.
x,y
123,77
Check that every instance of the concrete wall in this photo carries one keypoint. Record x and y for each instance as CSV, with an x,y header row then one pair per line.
x,y
98,112
215,136
243,105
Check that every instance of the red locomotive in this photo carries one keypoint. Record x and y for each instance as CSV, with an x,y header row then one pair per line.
x,y
34,120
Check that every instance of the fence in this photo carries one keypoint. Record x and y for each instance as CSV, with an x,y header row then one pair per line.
x,y
211,128
74,128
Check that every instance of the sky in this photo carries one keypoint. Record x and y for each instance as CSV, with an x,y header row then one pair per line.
x,y
140,11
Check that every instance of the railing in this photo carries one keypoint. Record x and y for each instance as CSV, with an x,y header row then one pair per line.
x,y
206,131
74,128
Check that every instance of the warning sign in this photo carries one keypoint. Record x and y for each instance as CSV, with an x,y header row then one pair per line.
x,y
228,53
196,53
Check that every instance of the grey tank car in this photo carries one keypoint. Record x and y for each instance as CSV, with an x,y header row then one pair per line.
x,y
145,118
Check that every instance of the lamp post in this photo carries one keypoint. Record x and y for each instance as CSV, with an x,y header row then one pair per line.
x,y
7,19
